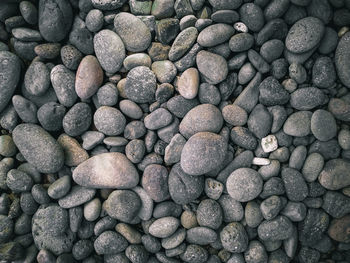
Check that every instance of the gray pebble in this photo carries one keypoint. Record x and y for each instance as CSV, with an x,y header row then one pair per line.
x,y
164,227
323,125
241,42
279,228
232,210
298,124
215,34
109,120
158,119
110,242
295,185
25,109
234,238
155,182
37,78
78,119
51,115
323,72
218,69
194,254
78,195
209,214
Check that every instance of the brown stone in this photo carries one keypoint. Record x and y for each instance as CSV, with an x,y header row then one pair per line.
x,y
158,51
89,77
188,83
74,154
339,229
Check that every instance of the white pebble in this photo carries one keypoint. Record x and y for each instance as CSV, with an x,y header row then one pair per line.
x,y
240,27
269,143
261,161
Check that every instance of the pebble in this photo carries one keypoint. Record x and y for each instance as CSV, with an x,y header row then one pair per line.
x,y
71,57
243,137
164,70
234,238
260,121
307,98
29,12
201,236
7,146
140,85
215,34
334,175
196,159
323,73
235,115
74,154
78,195
232,210
175,239
335,204
107,170
269,143
60,187
279,228
18,181
194,254
342,59
272,92
252,15
298,124
109,121
202,118
110,242
164,227
323,125
338,229
213,189
77,120
295,211
182,43
38,147
155,182
122,205
188,83
158,119
218,69
88,78
10,69
184,188
304,35
109,49
241,42
209,214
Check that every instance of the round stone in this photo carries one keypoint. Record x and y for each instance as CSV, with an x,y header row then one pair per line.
x,y
164,227
335,174
107,170
203,152
234,238
109,50
77,120
109,121
339,229
134,33
215,34
74,154
241,42
298,124
38,147
155,182
123,205
304,35
110,242
37,78
323,125
7,146
194,254
307,98
244,184
140,85
182,43
279,228
188,83
89,77
213,67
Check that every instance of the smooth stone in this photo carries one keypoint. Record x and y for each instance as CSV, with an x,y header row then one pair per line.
x,y
94,20
272,92
184,188
339,229
304,35
63,82
209,214
323,72
182,43
197,159
25,109
155,182
201,236
234,237
110,242
164,70
335,174
234,115
202,118
123,205
244,178
212,66
252,16
225,4
140,85
279,228
215,34
323,125
78,195
54,20
71,57
260,121
295,185
243,137
232,210
146,210
38,147
164,227
194,254
307,98
107,95
158,119
109,50
340,109
336,204
60,187
312,166
241,42
109,121
10,70
188,83
107,4
298,124
107,170
29,12
89,77
18,181
7,146
139,39
74,154
272,50
77,120
342,58
37,78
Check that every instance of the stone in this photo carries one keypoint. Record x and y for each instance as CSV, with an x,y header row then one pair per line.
x,y
252,16
212,66
78,195
215,34
107,170
241,42
158,119
304,35
164,70
78,119
109,50
241,180
155,182
279,228
164,227
298,124
201,236
202,153
10,70
140,39
110,242
89,77
37,78
38,147
269,143
339,229
260,121
109,121
209,214
306,98
342,56
323,73
60,187
323,125
295,185
194,254
202,118
234,115
272,92
234,238
123,205
74,154
140,85
335,174
7,146
188,83
182,43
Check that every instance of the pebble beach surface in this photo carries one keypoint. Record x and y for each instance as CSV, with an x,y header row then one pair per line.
x,y
169,131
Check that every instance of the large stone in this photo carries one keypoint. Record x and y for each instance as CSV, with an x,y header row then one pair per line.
x,y
215,34
203,152
107,170
213,67
38,147
342,59
335,174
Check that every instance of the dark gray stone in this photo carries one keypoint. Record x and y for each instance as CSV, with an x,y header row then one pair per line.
x,y
279,228
234,237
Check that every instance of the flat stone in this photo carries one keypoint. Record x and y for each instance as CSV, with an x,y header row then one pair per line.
x,y
78,195
215,34
107,170
74,154
182,43
279,228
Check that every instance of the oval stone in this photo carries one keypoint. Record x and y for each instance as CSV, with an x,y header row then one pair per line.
x,y
188,83
10,71
298,124
304,35
107,170
215,34
38,147
202,118
244,184
37,78
134,33
109,50
342,59
213,67
323,125
182,43
89,77
306,98
203,152
335,174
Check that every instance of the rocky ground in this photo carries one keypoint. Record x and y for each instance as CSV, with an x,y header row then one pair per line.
x,y
175,131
